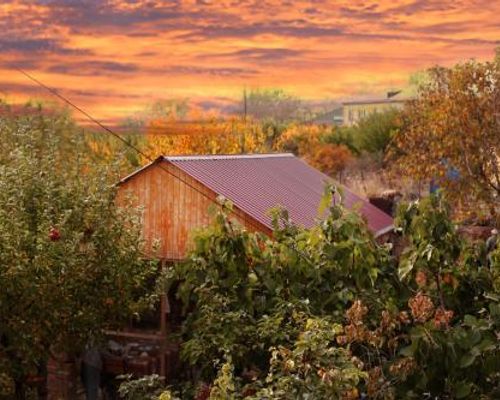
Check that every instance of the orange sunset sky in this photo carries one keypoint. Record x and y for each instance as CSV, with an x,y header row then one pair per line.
x,y
113,57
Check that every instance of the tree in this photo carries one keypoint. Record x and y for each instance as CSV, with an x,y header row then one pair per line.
x,y
212,136
332,159
373,133
265,304
416,81
273,104
451,132
166,108
324,148
71,262
302,139
105,148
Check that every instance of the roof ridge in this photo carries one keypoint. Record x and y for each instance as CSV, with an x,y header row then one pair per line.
x,y
226,156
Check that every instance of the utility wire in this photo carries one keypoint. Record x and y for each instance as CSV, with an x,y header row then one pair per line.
x,y
86,114
104,127
126,142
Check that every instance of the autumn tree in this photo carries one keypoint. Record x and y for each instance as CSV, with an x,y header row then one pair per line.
x,y
301,139
172,108
332,159
105,148
451,132
71,262
210,136
322,147
273,104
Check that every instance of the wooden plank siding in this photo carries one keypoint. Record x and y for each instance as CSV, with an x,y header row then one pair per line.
x,y
173,209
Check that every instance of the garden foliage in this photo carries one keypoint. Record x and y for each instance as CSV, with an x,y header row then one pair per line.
x,y
328,312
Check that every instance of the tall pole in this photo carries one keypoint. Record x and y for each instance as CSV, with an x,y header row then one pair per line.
x,y
244,120
245,104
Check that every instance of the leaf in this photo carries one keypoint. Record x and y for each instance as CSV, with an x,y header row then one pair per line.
x,y
470,320
407,351
467,360
462,389
326,200
405,267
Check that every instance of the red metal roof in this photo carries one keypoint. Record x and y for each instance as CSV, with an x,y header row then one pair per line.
x,y
257,183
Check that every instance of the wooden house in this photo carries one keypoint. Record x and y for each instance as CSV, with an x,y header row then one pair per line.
x,y
175,194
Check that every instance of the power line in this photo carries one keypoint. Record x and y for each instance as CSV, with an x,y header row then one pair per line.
x,y
104,127
86,114
126,142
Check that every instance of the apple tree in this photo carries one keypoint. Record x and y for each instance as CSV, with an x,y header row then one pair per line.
x,y
71,261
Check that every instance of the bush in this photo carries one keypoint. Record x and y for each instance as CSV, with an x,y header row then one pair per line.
x,y
374,133
328,313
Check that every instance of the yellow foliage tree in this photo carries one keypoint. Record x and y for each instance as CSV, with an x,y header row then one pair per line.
x,y
212,136
302,139
332,159
451,133
309,142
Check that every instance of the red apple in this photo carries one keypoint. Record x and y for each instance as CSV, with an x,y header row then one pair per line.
x,y
54,234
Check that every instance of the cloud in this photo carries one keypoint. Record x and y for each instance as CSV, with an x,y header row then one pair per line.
x,y
36,91
37,46
137,50
419,6
24,63
255,29
212,71
365,13
106,68
312,10
262,54
93,68
99,16
148,54
224,105
312,31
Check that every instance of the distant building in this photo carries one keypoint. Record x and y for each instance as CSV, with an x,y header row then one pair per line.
x,y
330,118
355,110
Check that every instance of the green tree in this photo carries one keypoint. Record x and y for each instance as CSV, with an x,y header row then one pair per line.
x,y
374,133
328,313
71,262
255,298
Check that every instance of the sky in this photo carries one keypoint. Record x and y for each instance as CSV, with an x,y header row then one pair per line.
x,y
114,57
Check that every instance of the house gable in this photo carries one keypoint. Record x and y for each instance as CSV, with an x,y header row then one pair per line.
x,y
174,205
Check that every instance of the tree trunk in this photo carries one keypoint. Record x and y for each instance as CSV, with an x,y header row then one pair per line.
x,y
20,389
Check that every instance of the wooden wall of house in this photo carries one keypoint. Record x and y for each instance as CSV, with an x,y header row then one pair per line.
x,y
174,209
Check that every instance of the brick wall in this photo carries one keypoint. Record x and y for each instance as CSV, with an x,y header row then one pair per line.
x,y
62,380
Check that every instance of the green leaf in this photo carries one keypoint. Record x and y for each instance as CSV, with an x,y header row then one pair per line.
x,y
467,360
462,389
407,351
470,320
405,268
326,199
